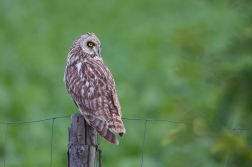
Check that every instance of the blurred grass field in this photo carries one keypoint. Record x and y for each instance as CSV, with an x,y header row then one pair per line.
x,y
180,60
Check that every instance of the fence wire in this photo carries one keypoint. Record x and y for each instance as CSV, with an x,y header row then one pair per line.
x,y
131,119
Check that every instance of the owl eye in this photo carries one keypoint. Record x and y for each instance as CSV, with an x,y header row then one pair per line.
x,y
90,44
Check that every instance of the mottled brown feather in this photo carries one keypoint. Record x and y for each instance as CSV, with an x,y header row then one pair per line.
x,y
91,85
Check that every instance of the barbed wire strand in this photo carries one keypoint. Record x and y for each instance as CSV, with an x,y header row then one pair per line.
x,y
182,152
157,120
137,119
52,141
241,129
96,158
33,121
96,153
5,145
143,141
227,158
132,119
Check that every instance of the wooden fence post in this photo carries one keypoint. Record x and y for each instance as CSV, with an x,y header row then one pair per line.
x,y
82,143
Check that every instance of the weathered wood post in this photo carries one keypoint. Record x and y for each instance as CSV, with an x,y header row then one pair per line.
x,y
82,143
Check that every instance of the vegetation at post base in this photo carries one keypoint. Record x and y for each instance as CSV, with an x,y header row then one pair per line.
x,y
186,61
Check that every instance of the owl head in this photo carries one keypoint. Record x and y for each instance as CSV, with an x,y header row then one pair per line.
x,y
90,44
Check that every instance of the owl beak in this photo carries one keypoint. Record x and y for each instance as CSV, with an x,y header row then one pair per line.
x,y
97,52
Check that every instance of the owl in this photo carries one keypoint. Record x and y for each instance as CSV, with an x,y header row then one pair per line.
x,y
92,88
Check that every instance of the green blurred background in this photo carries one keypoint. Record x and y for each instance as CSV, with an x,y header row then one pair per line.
x,y
180,60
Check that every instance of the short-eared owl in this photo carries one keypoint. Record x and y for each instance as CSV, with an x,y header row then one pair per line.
x,y
91,85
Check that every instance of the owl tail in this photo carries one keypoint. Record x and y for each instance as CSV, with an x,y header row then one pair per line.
x,y
101,128
115,125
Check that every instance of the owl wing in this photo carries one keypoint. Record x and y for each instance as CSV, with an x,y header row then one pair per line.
x,y
92,87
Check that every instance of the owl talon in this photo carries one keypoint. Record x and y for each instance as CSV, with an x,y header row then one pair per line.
x,y
97,146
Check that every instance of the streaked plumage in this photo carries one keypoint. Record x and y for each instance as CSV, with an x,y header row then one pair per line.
x,y
91,85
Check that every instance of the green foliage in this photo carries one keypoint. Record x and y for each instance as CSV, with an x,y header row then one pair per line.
x,y
182,60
